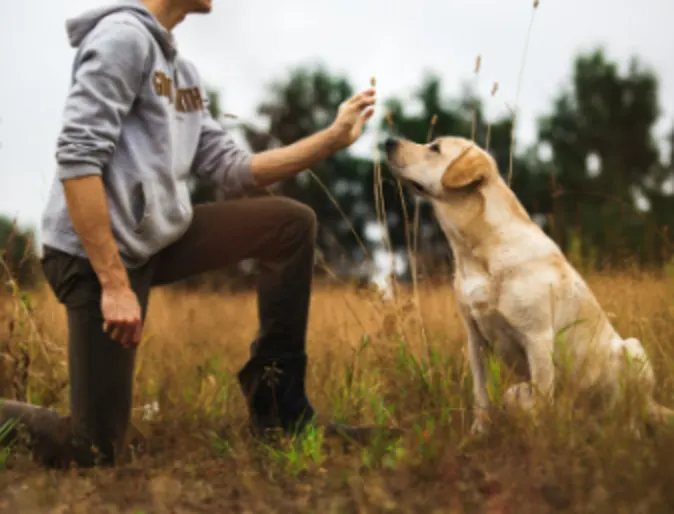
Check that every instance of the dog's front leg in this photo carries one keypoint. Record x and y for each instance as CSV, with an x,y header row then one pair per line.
x,y
476,347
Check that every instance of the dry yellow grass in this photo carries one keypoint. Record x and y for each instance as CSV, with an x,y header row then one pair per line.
x,y
368,363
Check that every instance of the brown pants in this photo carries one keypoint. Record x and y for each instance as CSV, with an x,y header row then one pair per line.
x,y
279,232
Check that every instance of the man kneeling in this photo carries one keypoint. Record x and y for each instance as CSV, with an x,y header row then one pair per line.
x,y
119,220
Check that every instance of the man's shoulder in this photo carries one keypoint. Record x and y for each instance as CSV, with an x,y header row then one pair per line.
x,y
120,19
124,28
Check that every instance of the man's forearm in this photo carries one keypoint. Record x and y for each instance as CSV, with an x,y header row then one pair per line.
x,y
88,209
279,164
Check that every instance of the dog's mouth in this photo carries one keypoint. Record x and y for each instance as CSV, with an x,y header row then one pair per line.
x,y
414,186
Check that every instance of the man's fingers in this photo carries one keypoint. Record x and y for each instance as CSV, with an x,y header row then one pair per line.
x,y
368,93
130,335
366,115
363,118
127,332
115,331
366,102
123,338
363,103
132,332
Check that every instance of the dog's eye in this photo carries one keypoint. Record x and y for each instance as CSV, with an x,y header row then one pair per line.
x,y
435,147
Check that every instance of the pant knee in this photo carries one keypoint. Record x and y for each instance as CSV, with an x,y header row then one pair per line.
x,y
302,224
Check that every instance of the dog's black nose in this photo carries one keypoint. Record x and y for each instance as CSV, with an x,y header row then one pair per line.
x,y
390,144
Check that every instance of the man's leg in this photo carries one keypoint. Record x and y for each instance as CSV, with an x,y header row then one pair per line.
x,y
280,233
100,369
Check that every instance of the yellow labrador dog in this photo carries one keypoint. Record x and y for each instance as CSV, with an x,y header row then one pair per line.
x,y
518,295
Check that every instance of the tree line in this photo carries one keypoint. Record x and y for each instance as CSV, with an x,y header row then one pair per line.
x,y
594,178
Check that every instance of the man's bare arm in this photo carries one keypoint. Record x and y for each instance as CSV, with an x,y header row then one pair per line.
x,y
108,73
221,160
279,164
88,210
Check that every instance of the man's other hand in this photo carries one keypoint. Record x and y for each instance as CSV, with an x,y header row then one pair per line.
x,y
121,315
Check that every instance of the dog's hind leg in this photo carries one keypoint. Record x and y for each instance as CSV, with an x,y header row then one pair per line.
x,y
541,364
636,370
539,350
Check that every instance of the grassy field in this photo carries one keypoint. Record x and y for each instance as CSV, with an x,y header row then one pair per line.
x,y
371,361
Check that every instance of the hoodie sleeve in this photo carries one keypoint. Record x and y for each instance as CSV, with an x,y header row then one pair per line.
x,y
220,159
107,77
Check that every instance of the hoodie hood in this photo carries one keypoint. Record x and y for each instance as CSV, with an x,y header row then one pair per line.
x,y
79,26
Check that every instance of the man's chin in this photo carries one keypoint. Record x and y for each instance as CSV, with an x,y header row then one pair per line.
x,y
204,7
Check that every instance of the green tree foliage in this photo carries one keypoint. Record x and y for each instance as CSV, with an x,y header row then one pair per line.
x,y
607,118
605,115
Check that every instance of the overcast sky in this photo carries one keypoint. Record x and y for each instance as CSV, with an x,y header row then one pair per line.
x,y
243,45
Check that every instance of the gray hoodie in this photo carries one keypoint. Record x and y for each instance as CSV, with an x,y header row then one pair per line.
x,y
136,115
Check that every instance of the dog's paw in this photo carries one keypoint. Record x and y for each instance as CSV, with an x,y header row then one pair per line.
x,y
480,425
519,397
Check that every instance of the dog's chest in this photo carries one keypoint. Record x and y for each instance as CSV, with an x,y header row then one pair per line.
x,y
475,292
478,296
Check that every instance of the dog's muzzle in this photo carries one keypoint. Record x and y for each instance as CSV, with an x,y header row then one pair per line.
x,y
414,186
391,144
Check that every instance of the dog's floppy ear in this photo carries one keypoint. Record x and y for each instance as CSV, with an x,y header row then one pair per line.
x,y
469,167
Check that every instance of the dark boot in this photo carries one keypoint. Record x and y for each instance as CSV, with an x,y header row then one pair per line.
x,y
276,396
273,381
275,393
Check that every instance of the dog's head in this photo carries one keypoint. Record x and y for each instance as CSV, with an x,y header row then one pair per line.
x,y
442,168
462,180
